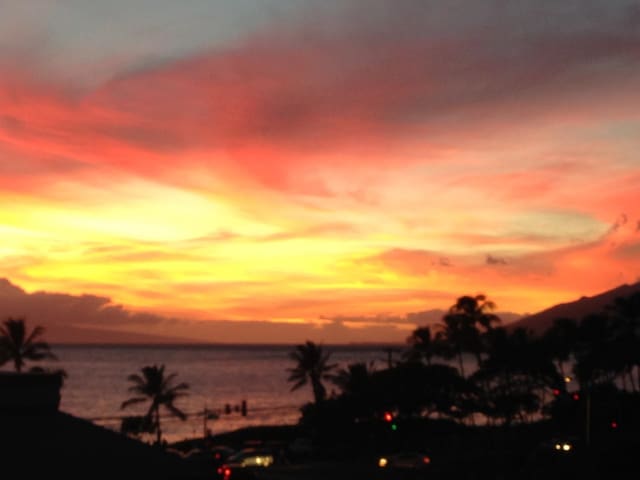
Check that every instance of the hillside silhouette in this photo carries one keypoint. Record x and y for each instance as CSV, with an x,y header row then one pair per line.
x,y
584,306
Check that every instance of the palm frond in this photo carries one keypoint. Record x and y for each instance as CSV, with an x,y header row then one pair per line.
x,y
299,384
135,378
175,411
35,333
178,389
154,387
133,401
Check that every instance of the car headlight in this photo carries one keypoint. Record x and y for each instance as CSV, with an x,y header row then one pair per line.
x,y
563,447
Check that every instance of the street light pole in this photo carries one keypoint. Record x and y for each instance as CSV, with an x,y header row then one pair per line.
x,y
204,421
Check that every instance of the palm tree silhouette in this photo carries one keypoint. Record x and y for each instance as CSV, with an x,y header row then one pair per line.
x,y
312,366
157,388
560,341
625,321
354,379
18,345
424,344
515,375
460,327
597,356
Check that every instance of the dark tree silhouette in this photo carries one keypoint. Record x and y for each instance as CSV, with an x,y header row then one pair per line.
x,y
355,379
625,323
463,327
596,357
560,341
477,310
520,377
154,387
311,366
18,345
416,389
424,345
357,389
515,375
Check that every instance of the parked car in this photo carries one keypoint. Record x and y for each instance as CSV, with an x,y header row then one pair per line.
x,y
405,460
241,465
557,457
221,453
204,459
561,445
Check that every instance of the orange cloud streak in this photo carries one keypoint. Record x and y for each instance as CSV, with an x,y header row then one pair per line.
x,y
300,175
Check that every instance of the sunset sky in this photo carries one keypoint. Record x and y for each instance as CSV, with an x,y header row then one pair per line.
x,y
332,166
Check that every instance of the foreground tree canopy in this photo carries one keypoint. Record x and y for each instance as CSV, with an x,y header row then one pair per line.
x,y
154,387
469,367
18,345
312,366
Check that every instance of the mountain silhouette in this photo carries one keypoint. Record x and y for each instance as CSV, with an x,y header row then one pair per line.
x,y
61,334
539,322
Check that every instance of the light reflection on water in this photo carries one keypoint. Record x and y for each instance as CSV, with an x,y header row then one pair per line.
x,y
218,375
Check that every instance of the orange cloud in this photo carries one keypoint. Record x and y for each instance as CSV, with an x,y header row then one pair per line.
x,y
283,103
351,169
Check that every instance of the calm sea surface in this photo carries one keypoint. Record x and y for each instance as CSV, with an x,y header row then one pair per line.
x,y
218,375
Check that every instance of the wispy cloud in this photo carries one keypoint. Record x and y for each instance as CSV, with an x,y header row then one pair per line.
x,y
354,157
491,260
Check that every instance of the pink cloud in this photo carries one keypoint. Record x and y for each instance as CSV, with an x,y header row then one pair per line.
x,y
543,277
408,117
281,103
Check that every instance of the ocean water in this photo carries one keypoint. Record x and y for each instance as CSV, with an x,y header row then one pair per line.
x,y
218,375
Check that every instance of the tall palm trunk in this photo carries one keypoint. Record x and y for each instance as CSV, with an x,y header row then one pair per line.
x,y
153,385
319,391
461,363
157,420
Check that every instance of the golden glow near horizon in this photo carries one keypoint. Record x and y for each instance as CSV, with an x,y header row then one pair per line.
x,y
146,237
279,180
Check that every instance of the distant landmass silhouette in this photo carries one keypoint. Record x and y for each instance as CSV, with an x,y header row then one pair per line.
x,y
62,334
541,321
92,319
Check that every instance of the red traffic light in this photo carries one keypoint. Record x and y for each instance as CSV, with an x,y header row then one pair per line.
x,y
388,416
614,424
